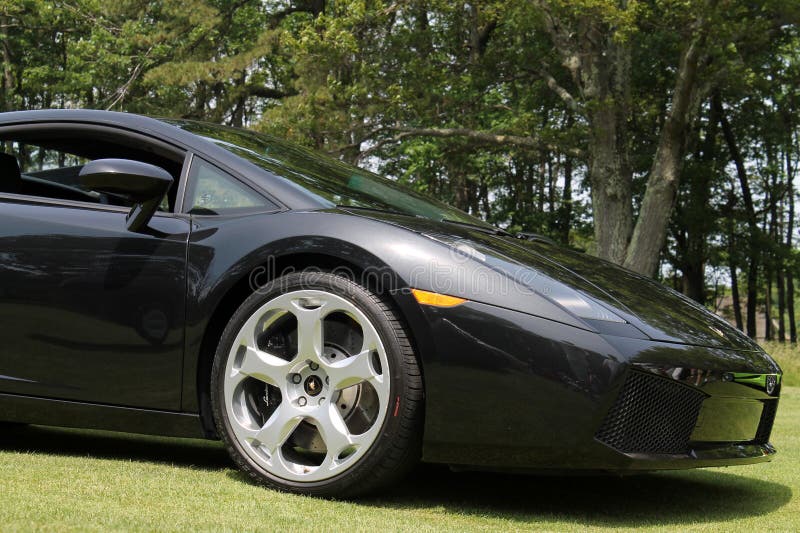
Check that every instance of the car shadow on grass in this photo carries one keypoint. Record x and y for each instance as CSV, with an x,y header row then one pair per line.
x,y
206,455
671,498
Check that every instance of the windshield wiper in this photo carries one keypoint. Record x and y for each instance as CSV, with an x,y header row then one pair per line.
x,y
529,236
486,229
375,209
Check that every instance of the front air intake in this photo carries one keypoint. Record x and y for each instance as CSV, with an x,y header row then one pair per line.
x,y
651,414
767,420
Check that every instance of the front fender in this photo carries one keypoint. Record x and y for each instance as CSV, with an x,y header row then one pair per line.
x,y
226,252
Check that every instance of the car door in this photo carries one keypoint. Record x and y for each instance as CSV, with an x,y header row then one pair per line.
x,y
90,311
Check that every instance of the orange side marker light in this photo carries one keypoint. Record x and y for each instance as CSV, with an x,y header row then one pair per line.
x,y
435,299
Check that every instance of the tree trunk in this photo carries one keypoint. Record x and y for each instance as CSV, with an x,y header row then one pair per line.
x,y
752,222
773,263
780,276
565,215
599,61
606,76
752,296
694,282
693,235
650,232
8,73
552,168
790,306
737,306
781,304
769,334
735,300
484,198
458,182
789,244
527,173
540,186
237,116
610,178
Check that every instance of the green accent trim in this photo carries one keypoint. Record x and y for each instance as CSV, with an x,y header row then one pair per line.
x,y
760,380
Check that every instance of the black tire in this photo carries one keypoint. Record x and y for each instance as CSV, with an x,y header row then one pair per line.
x,y
397,447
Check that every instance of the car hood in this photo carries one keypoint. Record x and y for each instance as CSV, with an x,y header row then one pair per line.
x,y
659,312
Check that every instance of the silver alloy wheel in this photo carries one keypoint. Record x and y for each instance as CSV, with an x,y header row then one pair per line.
x,y
314,384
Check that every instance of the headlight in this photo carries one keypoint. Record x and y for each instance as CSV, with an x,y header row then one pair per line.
x,y
531,279
573,301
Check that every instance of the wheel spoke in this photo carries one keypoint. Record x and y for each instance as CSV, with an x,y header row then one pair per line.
x,y
371,340
330,366
333,431
265,367
309,331
244,432
278,428
351,370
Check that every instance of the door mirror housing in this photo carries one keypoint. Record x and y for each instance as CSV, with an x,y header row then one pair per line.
x,y
144,184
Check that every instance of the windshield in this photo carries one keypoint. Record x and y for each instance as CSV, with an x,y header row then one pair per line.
x,y
332,181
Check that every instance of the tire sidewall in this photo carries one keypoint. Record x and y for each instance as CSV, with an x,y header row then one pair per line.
x,y
367,304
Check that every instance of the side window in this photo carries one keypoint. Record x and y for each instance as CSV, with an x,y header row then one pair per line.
x,y
35,160
41,171
47,164
212,191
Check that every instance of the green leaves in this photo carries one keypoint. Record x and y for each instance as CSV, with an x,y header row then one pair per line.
x,y
494,105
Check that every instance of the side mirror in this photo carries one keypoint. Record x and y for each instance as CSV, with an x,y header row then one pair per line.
x,y
142,183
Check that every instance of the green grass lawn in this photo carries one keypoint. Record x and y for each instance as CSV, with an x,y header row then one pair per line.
x,y
60,480
788,356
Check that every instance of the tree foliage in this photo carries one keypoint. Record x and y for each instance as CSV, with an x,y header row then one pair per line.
x,y
659,134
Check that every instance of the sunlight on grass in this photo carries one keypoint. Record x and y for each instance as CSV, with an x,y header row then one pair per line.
x,y
71,480
788,356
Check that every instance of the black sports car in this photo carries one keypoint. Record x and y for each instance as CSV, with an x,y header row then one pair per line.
x,y
332,328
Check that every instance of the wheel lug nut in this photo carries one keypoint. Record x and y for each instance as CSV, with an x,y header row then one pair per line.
x,y
296,378
301,401
314,366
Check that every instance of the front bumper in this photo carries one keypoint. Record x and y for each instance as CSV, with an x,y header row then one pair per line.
x,y
661,421
508,390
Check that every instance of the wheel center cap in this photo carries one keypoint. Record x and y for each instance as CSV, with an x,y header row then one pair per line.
x,y
313,385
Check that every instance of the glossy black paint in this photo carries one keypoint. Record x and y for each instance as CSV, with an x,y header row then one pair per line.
x,y
509,371
91,311
143,183
64,413
117,328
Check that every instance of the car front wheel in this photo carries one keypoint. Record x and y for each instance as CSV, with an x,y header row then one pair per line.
x,y
316,389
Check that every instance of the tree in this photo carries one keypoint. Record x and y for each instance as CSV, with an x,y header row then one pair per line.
x,y
645,131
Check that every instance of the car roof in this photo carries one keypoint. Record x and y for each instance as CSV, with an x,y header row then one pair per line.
x,y
288,193
94,116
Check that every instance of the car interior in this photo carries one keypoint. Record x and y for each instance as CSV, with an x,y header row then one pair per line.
x,y
47,163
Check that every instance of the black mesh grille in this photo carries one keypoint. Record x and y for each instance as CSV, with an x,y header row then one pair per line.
x,y
651,415
767,419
